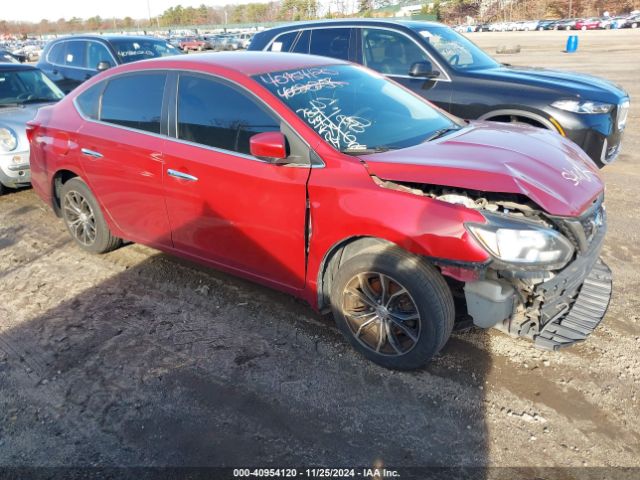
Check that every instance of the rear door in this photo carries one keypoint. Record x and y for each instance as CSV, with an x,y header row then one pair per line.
x,y
334,42
120,145
225,205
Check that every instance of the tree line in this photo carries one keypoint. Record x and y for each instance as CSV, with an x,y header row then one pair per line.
x,y
449,11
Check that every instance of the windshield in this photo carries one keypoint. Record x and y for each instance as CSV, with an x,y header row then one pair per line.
x,y
356,110
141,49
7,57
27,86
456,49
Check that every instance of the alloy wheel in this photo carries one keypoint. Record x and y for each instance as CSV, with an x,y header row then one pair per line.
x,y
381,314
80,217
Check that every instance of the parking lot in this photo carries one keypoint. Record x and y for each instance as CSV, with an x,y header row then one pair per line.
x,y
139,358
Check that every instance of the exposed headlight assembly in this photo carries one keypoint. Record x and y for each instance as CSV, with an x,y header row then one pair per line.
x,y
521,243
8,139
577,106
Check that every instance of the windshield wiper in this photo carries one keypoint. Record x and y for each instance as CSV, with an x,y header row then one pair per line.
x,y
39,100
366,151
441,133
12,104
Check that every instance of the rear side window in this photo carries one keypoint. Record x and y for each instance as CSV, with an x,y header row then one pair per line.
x,y
284,42
74,54
331,42
134,101
88,103
56,54
213,113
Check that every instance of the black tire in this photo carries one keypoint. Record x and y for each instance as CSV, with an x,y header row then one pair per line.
x,y
3,189
426,292
101,241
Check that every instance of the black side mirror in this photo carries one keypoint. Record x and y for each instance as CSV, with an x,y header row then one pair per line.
x,y
102,66
423,69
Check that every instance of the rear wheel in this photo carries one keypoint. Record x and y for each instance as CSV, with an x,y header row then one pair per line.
x,y
83,218
392,307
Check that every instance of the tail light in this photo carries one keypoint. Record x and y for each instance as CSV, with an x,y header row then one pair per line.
x,y
31,129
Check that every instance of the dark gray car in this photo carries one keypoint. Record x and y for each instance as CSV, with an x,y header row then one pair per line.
x,y
69,61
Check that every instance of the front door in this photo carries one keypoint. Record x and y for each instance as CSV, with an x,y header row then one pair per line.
x,y
225,205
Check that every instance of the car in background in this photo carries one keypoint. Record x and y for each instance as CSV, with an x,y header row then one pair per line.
x,y
328,181
546,25
587,23
529,25
483,27
633,21
230,42
446,68
69,61
245,39
199,44
566,24
23,89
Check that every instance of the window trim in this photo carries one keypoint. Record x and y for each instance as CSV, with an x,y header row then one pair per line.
x,y
359,48
60,42
171,84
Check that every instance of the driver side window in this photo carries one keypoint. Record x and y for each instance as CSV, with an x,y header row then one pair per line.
x,y
97,53
390,53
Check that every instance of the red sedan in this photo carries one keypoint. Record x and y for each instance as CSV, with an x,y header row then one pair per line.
x,y
587,24
326,180
194,43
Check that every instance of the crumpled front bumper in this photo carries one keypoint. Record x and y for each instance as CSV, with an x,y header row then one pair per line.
x,y
574,323
557,312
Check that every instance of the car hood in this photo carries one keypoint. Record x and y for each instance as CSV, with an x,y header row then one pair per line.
x,y
492,157
565,83
16,118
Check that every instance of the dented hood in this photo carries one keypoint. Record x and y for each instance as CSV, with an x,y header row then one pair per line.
x,y
493,157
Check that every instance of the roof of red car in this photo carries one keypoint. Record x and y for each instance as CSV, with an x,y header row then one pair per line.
x,y
247,63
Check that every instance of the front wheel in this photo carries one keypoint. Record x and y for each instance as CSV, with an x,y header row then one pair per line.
x,y
84,220
393,307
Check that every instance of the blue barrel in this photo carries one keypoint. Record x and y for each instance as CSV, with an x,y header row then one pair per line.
x,y
572,44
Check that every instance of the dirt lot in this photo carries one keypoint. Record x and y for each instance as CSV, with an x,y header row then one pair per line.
x,y
137,358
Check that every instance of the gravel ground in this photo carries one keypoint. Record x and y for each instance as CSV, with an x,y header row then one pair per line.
x,y
138,358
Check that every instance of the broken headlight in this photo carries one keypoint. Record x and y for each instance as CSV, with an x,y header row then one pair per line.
x,y
522,243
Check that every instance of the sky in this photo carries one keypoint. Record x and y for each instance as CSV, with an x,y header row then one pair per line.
x,y
36,10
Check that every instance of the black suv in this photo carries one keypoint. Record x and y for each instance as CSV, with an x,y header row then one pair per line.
x,y
69,61
449,70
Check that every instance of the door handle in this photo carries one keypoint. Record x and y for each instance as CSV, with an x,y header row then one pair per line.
x,y
181,175
91,153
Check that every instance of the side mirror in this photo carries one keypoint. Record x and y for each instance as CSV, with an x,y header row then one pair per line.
x,y
423,69
271,146
102,66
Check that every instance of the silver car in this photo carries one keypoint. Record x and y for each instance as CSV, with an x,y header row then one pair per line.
x,y
23,89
